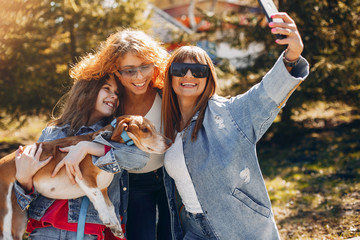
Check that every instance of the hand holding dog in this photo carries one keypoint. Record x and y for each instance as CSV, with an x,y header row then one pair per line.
x,y
27,162
76,154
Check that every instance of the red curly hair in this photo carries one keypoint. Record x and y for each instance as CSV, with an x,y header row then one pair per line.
x,y
106,60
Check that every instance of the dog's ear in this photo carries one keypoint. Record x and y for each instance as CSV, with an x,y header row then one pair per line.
x,y
107,128
121,125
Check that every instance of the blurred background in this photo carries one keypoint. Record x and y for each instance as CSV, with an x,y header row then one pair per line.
x,y
310,157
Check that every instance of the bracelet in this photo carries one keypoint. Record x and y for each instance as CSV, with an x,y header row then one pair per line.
x,y
290,63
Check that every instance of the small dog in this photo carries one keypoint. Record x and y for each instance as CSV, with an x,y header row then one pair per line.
x,y
94,183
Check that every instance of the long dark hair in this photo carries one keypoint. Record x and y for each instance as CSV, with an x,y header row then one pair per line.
x,y
170,111
79,104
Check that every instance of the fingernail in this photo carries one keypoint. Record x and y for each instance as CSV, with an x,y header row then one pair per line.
x,y
273,30
271,24
277,40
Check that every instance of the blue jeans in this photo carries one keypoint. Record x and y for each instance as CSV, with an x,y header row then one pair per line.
x,y
198,227
48,233
146,194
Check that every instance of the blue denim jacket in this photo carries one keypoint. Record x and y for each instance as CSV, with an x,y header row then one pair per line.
x,y
122,158
38,204
223,163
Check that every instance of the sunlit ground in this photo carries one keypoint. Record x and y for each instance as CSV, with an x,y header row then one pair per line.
x,y
26,133
314,179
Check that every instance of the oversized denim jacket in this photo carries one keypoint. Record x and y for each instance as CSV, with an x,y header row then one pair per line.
x,y
38,204
222,161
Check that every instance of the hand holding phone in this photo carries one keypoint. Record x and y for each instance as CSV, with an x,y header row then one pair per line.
x,y
270,9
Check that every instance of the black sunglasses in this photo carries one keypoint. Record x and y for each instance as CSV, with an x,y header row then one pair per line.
x,y
197,70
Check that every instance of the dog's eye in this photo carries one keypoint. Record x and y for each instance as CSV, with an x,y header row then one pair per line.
x,y
145,130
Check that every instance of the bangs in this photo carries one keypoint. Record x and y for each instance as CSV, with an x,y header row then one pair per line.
x,y
195,54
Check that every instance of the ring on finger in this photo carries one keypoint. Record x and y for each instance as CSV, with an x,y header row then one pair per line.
x,y
290,32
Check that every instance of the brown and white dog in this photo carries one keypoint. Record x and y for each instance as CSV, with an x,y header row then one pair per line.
x,y
94,183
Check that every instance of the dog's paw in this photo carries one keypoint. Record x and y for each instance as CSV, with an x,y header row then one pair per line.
x,y
117,232
116,229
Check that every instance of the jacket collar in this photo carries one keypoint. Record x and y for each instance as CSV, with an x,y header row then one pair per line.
x,y
92,128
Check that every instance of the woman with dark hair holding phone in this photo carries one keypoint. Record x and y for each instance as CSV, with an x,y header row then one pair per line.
x,y
213,159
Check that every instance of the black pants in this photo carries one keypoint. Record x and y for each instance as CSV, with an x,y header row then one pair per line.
x,y
146,192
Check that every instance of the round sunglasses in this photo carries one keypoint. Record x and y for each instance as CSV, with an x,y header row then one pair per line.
x,y
197,70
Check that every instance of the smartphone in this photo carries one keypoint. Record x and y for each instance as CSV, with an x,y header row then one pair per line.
x,y
269,8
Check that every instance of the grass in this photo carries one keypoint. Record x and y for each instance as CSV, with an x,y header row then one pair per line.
x,y
19,132
313,178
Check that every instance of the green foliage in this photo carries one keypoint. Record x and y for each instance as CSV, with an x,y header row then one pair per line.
x,y
41,39
331,36
330,30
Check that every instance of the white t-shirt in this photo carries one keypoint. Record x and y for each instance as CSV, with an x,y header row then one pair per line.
x,y
156,160
175,165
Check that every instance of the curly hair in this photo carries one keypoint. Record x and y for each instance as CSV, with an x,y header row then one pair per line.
x,y
106,60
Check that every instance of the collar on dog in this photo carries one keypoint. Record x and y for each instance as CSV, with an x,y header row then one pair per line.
x,y
128,141
126,138
113,123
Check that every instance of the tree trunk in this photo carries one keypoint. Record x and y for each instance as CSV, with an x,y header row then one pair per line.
x,y
72,41
286,113
280,5
192,20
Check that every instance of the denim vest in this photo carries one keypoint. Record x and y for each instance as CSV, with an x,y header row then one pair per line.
x,y
38,204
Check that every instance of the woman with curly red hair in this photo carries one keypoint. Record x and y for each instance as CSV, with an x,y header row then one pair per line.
x,y
138,62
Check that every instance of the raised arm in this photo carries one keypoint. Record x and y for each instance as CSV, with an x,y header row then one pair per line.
x,y
293,39
260,105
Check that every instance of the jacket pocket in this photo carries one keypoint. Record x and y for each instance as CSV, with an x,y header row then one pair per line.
x,y
240,195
